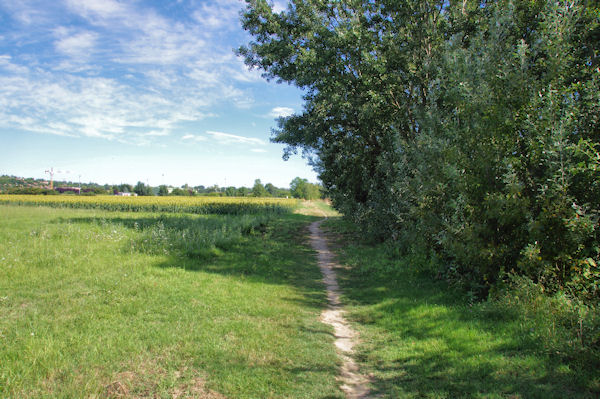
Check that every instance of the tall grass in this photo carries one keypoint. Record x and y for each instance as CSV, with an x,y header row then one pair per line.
x,y
563,326
177,234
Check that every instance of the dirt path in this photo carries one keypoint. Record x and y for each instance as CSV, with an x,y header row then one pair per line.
x,y
353,383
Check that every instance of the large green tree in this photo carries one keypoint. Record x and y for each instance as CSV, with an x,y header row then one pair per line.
x,y
466,131
366,68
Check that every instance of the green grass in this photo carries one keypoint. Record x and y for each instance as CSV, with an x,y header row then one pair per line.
x,y
422,339
113,304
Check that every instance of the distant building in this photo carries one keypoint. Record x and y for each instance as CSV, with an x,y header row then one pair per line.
x,y
126,194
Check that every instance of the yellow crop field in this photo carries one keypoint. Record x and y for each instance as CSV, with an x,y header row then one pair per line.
x,y
199,205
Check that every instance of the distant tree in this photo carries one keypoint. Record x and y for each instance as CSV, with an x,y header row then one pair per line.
x,y
163,190
230,191
142,189
179,192
243,191
272,190
301,188
95,190
296,187
283,193
125,188
311,191
32,191
259,190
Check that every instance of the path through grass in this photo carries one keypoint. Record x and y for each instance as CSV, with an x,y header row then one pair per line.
x,y
421,339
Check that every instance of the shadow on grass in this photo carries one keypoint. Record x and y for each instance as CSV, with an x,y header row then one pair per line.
x,y
257,248
422,339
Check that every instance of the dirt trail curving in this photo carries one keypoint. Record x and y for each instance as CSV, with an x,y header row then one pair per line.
x,y
354,384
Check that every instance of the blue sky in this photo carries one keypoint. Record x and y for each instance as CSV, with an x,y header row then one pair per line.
x,y
126,91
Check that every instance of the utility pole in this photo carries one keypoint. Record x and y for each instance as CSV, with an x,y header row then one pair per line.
x,y
51,173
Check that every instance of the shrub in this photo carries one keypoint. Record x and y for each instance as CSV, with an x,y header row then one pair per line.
x,y
563,324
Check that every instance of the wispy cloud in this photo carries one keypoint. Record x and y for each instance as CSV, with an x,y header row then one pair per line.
x,y
75,44
278,112
127,71
98,8
223,14
227,138
193,137
91,106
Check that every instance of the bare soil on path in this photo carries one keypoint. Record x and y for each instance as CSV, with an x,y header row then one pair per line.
x,y
354,384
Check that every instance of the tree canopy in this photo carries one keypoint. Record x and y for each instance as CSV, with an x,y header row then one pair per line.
x,y
301,188
467,132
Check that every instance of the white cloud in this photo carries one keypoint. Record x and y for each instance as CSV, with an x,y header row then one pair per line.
x,y
27,12
94,84
193,137
227,138
142,36
155,133
241,73
260,150
223,15
278,112
161,78
98,8
77,45
204,78
7,64
91,106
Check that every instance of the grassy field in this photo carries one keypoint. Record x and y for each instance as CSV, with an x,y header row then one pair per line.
x,y
111,304
119,304
422,339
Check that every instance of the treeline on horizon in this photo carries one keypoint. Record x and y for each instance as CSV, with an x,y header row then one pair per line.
x,y
464,134
299,188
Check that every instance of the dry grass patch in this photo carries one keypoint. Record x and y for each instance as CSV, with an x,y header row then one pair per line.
x,y
149,379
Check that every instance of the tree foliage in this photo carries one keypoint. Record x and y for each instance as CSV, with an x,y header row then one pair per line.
x,y
258,190
467,132
301,188
142,189
163,190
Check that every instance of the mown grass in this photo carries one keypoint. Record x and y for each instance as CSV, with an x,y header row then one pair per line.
x,y
419,338
114,304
